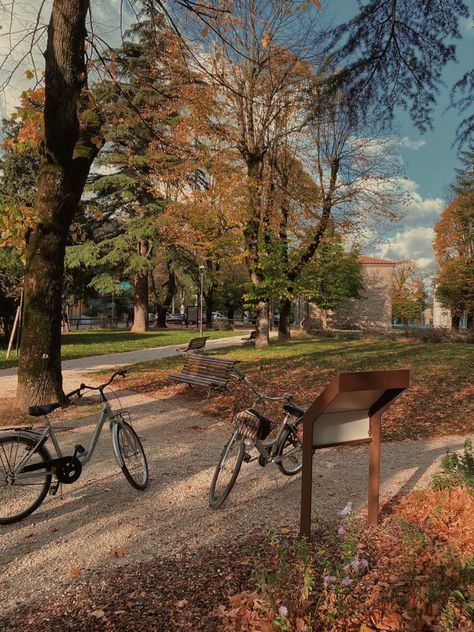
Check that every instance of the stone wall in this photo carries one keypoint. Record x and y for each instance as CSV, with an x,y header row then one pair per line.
x,y
372,312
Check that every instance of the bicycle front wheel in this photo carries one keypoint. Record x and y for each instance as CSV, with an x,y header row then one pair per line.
x,y
227,470
290,454
21,494
130,455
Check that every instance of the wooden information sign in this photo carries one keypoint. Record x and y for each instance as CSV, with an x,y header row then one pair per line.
x,y
348,412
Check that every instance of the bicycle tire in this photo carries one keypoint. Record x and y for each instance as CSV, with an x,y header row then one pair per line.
x,y
291,463
232,455
131,456
14,495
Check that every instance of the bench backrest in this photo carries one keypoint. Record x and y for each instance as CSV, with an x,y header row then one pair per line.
x,y
209,367
197,343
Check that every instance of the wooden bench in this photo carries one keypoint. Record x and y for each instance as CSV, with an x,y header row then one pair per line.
x,y
205,371
251,337
195,344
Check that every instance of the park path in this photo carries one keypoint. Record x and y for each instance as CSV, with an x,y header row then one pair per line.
x,y
73,369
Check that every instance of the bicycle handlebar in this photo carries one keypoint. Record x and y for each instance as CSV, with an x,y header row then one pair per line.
x,y
100,388
286,397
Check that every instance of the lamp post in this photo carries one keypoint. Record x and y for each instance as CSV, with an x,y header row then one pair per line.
x,y
201,274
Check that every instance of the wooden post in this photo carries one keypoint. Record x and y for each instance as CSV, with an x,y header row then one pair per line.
x,y
15,324
306,480
374,469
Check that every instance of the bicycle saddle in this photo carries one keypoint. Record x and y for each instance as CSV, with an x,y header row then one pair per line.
x,y
37,411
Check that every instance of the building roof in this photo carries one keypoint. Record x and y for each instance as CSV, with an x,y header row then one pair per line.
x,y
373,260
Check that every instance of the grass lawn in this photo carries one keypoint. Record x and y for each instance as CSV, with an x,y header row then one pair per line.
x,y
439,400
81,344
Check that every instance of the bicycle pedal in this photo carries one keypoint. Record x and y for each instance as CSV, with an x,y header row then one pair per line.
x,y
262,461
54,488
247,457
79,449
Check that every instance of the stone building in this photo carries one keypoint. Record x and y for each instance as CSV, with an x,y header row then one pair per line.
x,y
372,312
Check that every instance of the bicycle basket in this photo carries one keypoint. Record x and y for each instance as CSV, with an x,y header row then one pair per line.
x,y
250,425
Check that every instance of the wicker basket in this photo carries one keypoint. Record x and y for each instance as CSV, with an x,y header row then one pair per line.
x,y
247,424
250,425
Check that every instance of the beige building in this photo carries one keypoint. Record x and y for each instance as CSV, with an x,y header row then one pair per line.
x,y
372,312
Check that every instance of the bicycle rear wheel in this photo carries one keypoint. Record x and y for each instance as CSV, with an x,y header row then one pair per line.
x,y
21,494
290,454
227,470
130,455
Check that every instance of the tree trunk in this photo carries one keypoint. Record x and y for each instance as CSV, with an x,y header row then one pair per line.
x,y
284,324
161,317
455,322
66,156
140,292
262,326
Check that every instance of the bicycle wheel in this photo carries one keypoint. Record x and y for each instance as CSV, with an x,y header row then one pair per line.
x,y
290,454
130,455
227,470
21,494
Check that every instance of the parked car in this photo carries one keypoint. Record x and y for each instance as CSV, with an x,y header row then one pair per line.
x,y
219,317
177,318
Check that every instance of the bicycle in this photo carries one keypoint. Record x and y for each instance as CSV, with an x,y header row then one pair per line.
x,y
27,468
250,431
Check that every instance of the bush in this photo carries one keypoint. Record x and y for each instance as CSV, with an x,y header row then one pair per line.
x,y
456,469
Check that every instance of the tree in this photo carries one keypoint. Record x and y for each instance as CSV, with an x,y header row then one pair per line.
x,y
454,247
408,292
332,276
67,152
392,53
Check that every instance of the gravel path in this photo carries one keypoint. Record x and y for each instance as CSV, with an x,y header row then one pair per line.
x,y
101,523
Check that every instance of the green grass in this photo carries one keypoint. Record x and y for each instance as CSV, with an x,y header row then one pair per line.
x,y
82,344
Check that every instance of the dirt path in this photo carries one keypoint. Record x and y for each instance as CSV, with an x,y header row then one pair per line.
x,y
100,522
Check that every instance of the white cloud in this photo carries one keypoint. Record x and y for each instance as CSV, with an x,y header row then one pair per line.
x,y
413,243
408,143
419,211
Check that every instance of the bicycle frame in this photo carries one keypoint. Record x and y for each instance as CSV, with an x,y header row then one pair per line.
x,y
48,432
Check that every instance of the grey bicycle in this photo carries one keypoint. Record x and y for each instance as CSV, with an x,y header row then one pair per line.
x,y
28,472
250,429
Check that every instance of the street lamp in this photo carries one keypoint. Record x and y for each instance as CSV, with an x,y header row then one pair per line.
x,y
201,274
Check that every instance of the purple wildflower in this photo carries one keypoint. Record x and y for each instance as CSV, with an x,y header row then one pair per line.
x,y
355,564
329,579
364,563
345,511
282,611
285,544
341,530
346,581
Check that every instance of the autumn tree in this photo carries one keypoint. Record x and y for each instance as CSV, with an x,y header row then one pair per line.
x,y
408,292
259,76
454,247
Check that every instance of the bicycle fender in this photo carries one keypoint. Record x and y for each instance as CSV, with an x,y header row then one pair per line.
x,y
115,444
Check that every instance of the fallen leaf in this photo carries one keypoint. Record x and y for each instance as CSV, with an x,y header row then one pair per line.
x,y
98,614
120,551
181,603
75,570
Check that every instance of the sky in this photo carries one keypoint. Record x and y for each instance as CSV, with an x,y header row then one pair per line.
x,y
429,160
